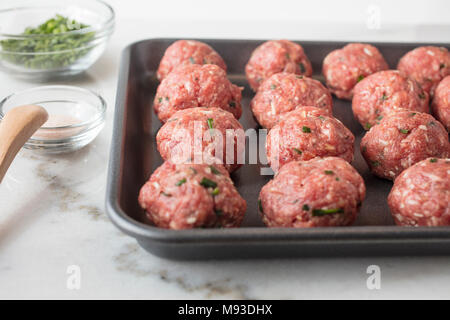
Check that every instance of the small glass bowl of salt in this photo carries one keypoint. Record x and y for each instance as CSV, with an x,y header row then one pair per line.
x,y
75,116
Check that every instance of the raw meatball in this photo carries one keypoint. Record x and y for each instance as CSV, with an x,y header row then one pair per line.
x,y
188,52
191,86
322,192
402,139
427,65
177,139
284,92
184,196
344,68
304,135
276,56
421,194
383,92
441,102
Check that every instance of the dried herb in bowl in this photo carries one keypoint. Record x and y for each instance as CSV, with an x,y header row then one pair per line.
x,y
52,45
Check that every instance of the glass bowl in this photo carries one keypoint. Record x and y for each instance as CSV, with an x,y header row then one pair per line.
x,y
70,48
76,116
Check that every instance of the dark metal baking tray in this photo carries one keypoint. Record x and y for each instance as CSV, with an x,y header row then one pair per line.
x,y
134,157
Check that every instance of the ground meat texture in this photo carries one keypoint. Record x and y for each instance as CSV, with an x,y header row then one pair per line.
x,y
183,52
322,192
427,65
306,111
192,86
421,194
402,139
441,102
384,92
276,56
344,68
184,196
177,139
303,135
284,92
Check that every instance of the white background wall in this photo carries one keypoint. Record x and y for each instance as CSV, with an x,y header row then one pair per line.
x,y
400,20
393,11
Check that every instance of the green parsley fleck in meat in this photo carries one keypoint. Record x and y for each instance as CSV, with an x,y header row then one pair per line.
x,y
323,212
207,183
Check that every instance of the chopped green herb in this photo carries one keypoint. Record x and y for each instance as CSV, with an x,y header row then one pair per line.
x,y
337,179
360,77
368,126
329,172
422,95
375,163
432,123
302,67
167,98
210,123
232,104
207,183
364,149
159,100
273,87
298,151
384,97
182,181
214,170
321,117
433,160
412,114
322,212
215,192
299,77
379,118
288,56
305,207
260,206
191,60
62,49
404,131
306,129
193,170
166,194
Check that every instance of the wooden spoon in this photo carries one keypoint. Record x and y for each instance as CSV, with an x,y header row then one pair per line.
x,y
16,128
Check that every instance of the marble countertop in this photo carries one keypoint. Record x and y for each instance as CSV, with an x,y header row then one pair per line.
x,y
53,224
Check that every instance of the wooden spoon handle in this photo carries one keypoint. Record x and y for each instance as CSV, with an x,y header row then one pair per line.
x,y
16,128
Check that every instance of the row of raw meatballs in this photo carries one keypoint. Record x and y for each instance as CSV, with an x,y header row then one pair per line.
x,y
318,192
319,133
357,70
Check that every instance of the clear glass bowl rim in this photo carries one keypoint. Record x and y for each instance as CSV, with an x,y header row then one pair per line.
x,y
103,28
99,115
